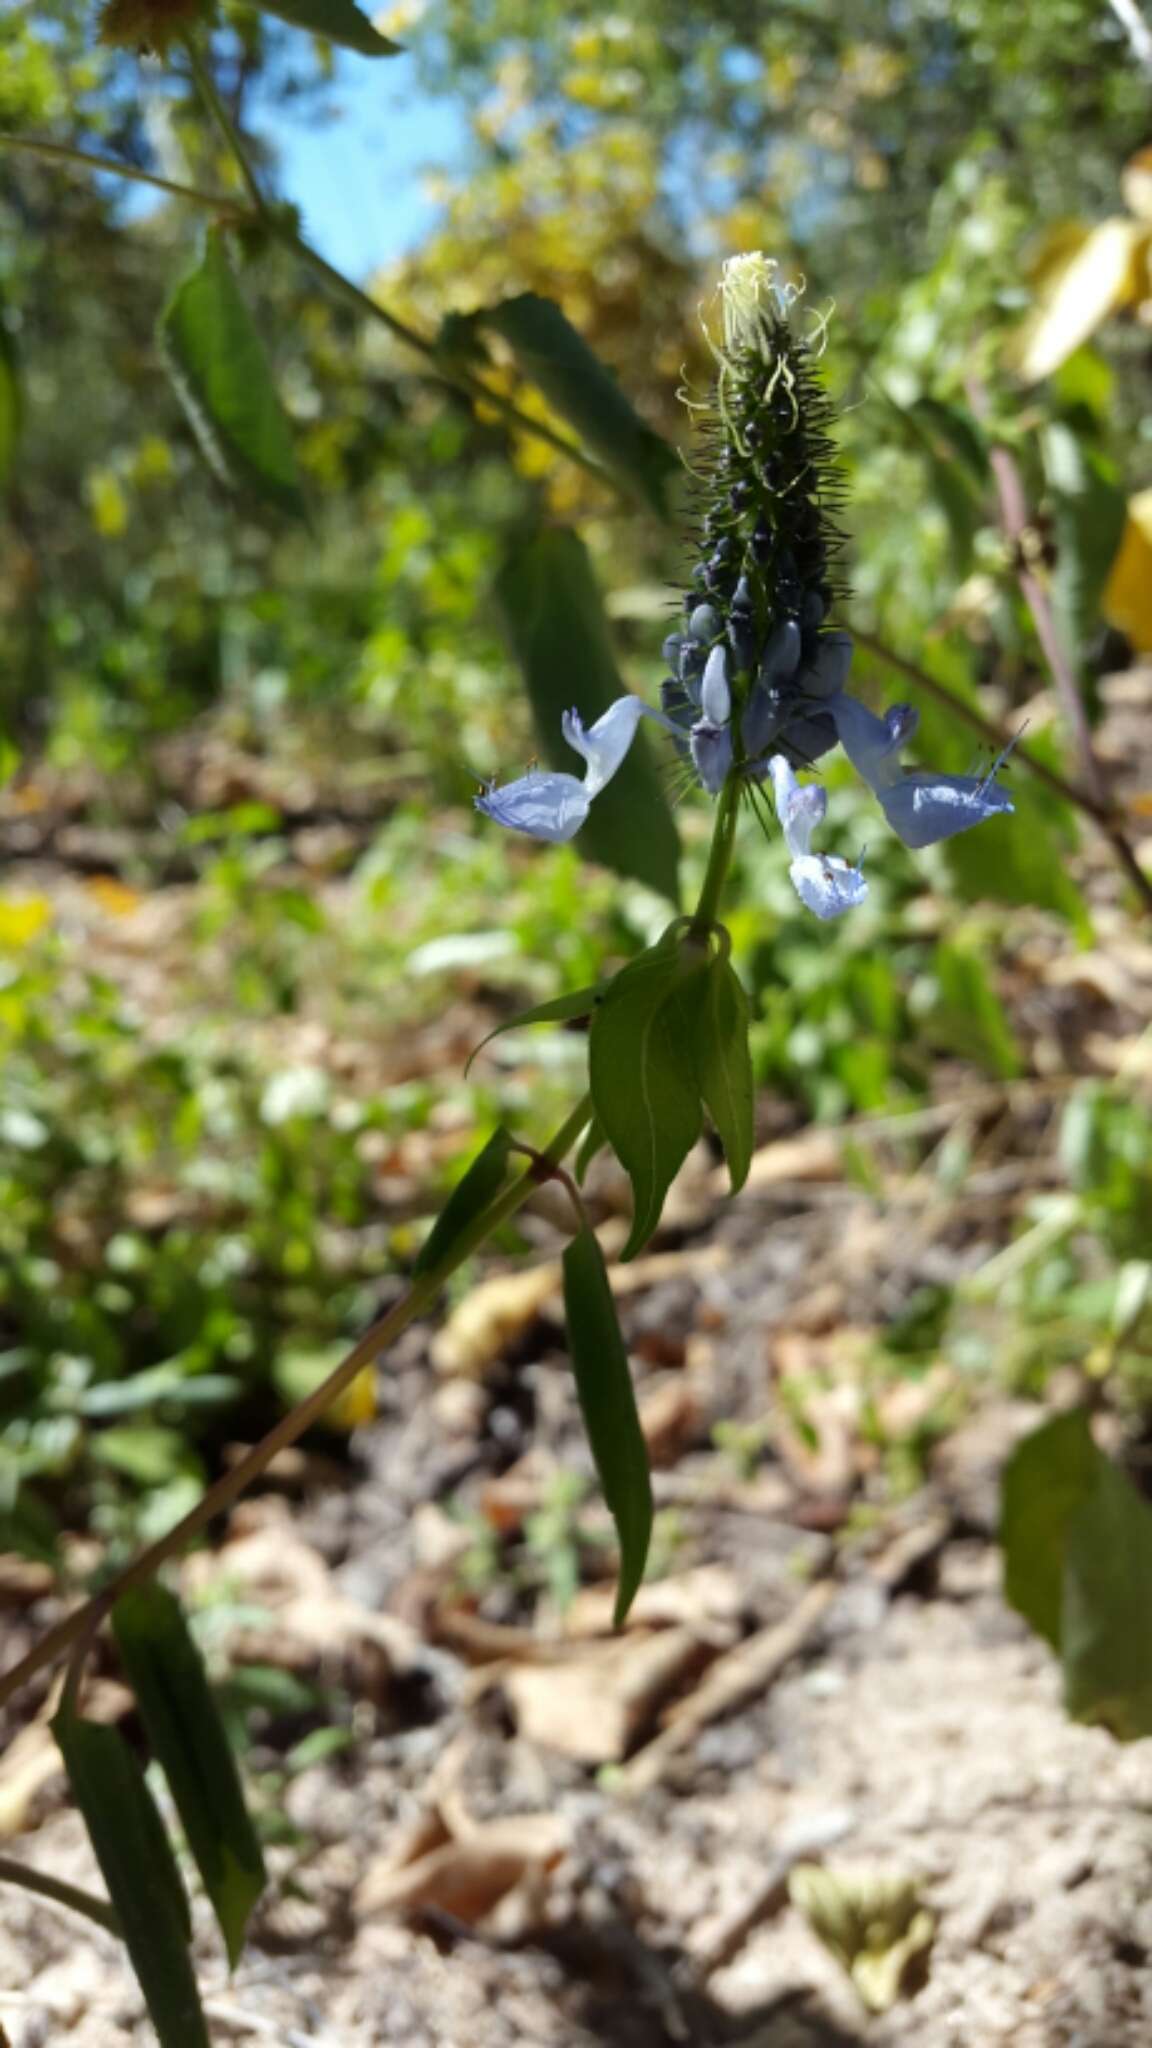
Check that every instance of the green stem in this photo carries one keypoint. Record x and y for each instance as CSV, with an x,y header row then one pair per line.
x,y
86,1619
88,160
719,858
61,1894
213,99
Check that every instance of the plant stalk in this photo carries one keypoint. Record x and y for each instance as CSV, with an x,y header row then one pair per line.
x,y
61,1894
84,1620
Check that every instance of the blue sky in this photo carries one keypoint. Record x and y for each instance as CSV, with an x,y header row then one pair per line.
x,y
357,176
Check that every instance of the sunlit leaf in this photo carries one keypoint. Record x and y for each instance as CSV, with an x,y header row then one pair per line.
x,y
484,1179
1127,600
1136,184
643,1079
1094,276
608,1405
555,621
187,1738
221,373
336,19
584,391
140,1872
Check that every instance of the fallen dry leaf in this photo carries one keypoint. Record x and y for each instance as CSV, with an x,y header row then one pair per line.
x,y
593,1705
706,1599
30,1762
467,1877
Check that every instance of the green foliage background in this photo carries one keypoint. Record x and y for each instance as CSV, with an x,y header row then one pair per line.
x,y
193,1210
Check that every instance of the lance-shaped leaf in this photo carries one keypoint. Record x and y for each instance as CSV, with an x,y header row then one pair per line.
x,y
608,1404
484,1179
579,1002
555,622
183,1725
584,391
1078,1565
714,1008
643,1079
218,365
140,1872
336,19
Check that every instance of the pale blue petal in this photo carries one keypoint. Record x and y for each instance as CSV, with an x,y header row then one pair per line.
x,y
715,696
605,744
870,743
545,806
827,885
711,747
924,808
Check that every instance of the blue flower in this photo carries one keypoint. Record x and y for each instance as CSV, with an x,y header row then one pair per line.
x,y
553,806
824,883
921,806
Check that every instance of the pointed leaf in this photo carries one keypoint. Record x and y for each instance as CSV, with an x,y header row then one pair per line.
x,y
593,1141
555,621
579,1002
140,1872
484,1179
1107,1617
183,1725
718,1021
217,362
584,391
336,19
1046,1479
608,1404
643,1081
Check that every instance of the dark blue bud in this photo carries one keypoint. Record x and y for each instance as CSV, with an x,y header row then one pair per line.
x,y
671,650
742,638
704,623
781,657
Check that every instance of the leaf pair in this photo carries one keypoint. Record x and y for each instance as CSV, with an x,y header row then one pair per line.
x,y
188,1740
1077,1542
669,1041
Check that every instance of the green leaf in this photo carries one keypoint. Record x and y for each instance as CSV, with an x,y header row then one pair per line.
x,y
593,1141
336,19
484,1179
584,391
555,621
140,1872
716,1012
1089,509
579,1002
1107,1619
183,1725
1022,859
642,1077
970,1018
10,404
608,1404
1046,1479
1077,1543
218,365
